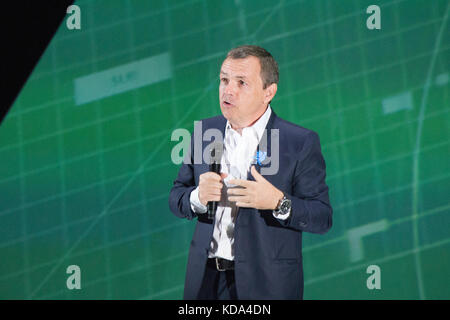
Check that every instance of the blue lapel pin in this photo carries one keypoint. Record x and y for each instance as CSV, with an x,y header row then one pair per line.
x,y
260,157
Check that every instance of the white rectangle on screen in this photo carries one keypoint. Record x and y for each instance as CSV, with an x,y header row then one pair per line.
x,y
401,101
122,78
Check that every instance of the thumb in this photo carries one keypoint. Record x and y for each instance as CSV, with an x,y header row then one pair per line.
x,y
256,174
223,175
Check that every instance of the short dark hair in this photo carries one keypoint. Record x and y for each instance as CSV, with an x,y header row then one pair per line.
x,y
269,67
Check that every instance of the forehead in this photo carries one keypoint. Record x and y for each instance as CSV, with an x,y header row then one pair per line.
x,y
247,67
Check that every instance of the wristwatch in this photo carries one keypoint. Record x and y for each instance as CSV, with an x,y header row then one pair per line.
x,y
283,207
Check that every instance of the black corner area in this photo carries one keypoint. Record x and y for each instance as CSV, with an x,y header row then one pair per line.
x,y
27,28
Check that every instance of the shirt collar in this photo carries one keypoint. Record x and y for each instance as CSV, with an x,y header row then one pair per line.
x,y
258,126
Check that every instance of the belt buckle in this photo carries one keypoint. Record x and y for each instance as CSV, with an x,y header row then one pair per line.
x,y
217,265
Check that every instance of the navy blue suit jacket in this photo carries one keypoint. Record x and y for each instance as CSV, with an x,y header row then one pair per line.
x,y
268,251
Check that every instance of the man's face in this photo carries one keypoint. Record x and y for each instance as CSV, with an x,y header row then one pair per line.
x,y
242,97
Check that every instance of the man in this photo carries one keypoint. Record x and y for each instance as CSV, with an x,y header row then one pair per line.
x,y
251,249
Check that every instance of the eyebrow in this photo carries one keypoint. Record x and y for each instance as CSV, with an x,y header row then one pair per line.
x,y
240,77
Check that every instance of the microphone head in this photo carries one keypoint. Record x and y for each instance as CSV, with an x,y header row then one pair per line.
x,y
216,152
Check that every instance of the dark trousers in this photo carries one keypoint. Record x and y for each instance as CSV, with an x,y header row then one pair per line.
x,y
217,285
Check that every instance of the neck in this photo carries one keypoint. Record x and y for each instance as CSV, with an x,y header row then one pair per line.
x,y
239,128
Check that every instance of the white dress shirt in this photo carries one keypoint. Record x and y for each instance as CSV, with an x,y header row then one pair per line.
x,y
239,152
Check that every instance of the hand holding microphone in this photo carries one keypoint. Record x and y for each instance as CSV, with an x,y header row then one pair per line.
x,y
209,187
211,183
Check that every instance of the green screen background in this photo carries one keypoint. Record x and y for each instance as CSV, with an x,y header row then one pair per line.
x,y
87,184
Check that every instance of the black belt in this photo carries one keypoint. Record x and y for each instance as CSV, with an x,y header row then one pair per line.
x,y
221,264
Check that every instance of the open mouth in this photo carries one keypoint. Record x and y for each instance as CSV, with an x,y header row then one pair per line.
x,y
227,104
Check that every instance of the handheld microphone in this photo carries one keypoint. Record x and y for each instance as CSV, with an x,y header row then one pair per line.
x,y
214,166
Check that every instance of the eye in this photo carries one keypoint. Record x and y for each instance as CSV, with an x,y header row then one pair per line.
x,y
241,82
224,80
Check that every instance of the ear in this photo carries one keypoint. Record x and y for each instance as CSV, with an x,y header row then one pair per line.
x,y
270,92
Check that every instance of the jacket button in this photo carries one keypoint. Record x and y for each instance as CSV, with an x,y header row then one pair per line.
x,y
302,224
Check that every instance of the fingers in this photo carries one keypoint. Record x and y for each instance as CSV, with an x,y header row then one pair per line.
x,y
241,196
242,183
238,191
210,187
210,183
213,186
212,197
256,174
210,176
239,199
208,195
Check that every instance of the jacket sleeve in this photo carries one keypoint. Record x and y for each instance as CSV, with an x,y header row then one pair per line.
x,y
311,210
179,198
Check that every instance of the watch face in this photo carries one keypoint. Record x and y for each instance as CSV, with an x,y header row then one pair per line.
x,y
285,206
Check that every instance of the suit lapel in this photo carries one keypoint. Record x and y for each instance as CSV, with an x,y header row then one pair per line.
x,y
263,150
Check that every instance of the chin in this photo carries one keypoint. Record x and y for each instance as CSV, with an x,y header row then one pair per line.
x,y
227,114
